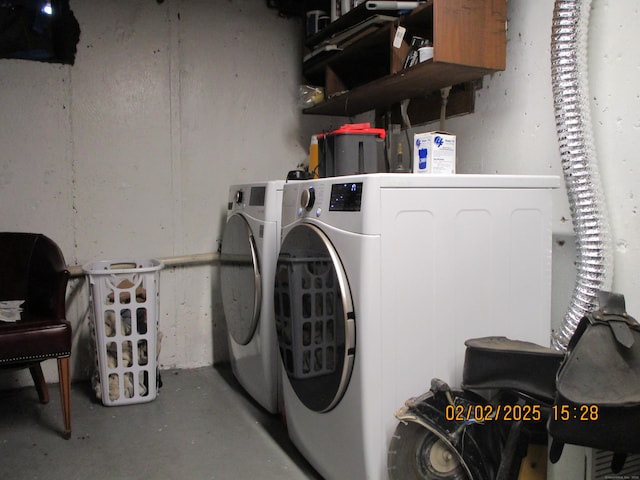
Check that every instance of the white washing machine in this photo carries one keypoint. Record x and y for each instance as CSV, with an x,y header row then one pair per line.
x,y
380,280
248,256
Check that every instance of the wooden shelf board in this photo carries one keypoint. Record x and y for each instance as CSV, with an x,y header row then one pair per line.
x,y
414,82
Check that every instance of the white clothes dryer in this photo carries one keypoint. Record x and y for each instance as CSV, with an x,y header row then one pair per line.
x,y
380,279
248,256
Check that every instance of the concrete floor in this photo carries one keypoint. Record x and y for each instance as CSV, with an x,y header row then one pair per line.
x,y
201,426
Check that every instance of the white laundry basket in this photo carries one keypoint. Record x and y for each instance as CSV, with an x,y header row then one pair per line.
x,y
126,302
305,293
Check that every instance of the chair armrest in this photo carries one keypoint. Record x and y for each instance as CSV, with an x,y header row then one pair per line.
x,y
59,297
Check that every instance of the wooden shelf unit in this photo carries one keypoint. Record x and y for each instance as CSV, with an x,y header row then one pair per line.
x,y
469,39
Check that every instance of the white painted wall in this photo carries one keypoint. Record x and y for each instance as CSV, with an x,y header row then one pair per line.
x,y
130,152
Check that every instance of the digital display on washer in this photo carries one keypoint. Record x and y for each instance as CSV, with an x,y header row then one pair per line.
x,y
256,197
346,197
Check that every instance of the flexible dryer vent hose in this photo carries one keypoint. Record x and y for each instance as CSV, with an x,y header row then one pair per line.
x,y
580,169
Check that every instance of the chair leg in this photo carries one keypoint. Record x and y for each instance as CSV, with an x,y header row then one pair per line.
x,y
38,380
65,394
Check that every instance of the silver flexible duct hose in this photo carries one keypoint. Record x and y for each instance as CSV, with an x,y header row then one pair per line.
x,y
584,190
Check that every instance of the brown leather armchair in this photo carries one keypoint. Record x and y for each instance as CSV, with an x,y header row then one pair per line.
x,y
32,268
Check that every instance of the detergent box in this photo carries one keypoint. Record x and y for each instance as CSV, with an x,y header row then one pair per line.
x,y
435,153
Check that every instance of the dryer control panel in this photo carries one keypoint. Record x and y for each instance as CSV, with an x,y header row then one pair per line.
x,y
346,197
262,201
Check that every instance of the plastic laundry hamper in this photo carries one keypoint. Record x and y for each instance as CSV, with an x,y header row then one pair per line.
x,y
126,302
305,293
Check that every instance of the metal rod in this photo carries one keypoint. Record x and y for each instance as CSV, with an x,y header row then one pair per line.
x,y
174,261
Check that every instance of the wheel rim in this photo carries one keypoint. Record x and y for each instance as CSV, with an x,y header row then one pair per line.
x,y
436,460
418,453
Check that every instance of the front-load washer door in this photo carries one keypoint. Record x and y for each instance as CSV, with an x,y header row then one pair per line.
x,y
240,279
315,319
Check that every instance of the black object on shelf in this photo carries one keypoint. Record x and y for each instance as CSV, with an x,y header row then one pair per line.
x,y
350,19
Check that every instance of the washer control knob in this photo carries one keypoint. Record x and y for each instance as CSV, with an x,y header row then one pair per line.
x,y
308,198
238,197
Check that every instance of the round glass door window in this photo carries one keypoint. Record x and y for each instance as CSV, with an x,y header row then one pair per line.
x,y
315,320
240,280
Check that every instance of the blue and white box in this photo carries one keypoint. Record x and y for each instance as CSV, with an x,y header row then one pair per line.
x,y
434,153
